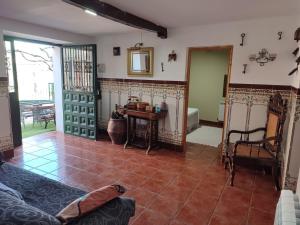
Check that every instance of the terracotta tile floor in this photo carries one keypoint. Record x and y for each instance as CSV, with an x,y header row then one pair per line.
x,y
170,188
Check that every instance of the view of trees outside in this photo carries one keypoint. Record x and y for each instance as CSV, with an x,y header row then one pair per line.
x,y
35,71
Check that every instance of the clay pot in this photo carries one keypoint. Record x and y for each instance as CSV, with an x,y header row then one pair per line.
x,y
116,130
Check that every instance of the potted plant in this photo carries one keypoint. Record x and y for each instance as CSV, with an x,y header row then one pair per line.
x,y
117,128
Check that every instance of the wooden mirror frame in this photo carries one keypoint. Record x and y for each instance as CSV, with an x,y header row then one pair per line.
x,y
130,72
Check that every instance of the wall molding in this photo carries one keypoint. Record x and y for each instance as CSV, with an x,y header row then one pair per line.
x,y
265,86
142,81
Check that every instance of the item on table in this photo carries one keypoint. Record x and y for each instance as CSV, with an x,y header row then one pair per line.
x,y
157,108
132,105
163,107
150,108
141,106
133,99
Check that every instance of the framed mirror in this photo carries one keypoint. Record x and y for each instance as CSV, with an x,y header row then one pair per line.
x,y
140,61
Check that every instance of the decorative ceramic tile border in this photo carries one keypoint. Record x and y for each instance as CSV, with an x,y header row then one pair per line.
x,y
6,143
153,91
248,95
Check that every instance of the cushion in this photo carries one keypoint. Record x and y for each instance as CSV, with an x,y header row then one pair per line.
x,y
89,202
115,212
41,192
10,191
255,152
14,211
272,126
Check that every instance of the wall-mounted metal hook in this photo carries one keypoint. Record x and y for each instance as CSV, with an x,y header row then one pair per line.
x,y
243,35
245,67
296,69
293,71
162,67
280,35
295,52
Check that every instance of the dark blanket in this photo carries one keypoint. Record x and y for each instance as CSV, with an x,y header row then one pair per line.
x,y
52,196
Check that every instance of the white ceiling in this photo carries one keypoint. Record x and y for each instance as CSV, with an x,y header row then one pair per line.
x,y
169,13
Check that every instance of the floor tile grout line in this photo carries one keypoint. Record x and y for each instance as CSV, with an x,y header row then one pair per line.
x,y
220,196
249,210
176,161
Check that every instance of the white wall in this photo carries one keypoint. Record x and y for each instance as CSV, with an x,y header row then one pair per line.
x,y
58,89
259,34
28,30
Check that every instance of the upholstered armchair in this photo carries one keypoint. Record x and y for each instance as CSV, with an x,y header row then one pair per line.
x,y
262,153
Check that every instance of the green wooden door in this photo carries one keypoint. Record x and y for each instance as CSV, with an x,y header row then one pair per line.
x,y
79,90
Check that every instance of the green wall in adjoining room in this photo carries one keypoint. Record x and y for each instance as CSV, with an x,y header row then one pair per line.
x,y
206,82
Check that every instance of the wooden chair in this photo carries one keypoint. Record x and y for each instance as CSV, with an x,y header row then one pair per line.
x,y
259,153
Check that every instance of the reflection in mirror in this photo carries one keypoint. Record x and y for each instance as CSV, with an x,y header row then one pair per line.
x,y
140,61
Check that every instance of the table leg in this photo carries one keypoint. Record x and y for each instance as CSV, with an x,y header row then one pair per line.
x,y
134,129
156,131
128,132
150,138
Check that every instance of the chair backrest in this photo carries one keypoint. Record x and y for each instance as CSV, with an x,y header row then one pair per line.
x,y
276,116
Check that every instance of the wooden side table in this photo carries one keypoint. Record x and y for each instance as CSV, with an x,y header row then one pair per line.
x,y
153,121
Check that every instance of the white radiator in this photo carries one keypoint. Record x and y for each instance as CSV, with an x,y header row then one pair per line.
x,y
288,209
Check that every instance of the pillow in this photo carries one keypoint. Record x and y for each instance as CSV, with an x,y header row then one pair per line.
x,y
14,211
89,202
10,191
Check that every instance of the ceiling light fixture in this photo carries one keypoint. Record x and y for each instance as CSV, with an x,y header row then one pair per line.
x,y
88,11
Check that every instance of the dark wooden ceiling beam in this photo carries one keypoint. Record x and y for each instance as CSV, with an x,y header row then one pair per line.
x,y
113,13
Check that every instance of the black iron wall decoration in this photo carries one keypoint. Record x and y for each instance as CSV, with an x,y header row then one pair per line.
x,y
138,45
279,35
295,69
243,35
263,57
245,67
162,67
297,35
116,51
295,52
172,56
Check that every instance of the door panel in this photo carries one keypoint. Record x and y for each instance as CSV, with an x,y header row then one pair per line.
x,y
80,91
11,72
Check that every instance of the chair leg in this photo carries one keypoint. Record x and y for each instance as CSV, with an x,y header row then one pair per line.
x,y
232,171
275,173
226,161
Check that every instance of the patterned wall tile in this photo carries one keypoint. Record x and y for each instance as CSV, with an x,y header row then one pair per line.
x,y
115,91
248,107
6,143
3,88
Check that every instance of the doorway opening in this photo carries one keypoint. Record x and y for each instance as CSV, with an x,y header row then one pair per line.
x,y
208,76
31,84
